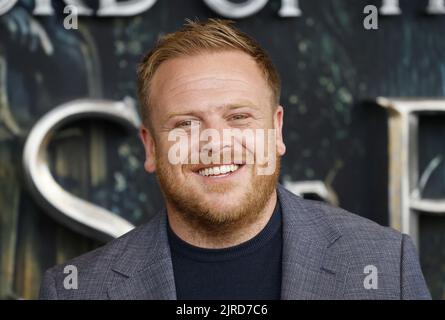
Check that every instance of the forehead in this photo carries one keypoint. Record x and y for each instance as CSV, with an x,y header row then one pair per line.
x,y
214,76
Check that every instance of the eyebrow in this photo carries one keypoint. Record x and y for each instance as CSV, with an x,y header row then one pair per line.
x,y
229,106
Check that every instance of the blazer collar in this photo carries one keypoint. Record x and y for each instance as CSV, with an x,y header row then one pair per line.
x,y
310,268
145,266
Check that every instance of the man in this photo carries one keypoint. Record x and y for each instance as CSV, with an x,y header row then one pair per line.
x,y
228,230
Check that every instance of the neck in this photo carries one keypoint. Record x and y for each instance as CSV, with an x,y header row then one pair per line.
x,y
237,234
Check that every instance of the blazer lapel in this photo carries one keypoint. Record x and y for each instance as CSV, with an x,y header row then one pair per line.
x,y
144,270
310,268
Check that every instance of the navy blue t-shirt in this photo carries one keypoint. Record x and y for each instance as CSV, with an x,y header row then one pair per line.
x,y
250,270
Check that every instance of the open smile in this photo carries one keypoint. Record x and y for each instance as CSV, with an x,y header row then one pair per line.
x,y
219,171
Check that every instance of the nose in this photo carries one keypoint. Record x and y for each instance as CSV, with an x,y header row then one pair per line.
x,y
213,133
216,147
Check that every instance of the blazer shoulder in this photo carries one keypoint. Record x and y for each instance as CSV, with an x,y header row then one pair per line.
x,y
100,260
353,225
348,224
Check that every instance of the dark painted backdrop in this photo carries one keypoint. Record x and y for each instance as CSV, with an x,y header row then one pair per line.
x,y
332,69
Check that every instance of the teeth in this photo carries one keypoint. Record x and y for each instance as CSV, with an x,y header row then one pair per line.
x,y
214,171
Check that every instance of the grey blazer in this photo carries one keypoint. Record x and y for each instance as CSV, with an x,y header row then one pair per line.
x,y
326,251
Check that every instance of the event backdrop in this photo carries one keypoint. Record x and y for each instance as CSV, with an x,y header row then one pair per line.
x,y
332,70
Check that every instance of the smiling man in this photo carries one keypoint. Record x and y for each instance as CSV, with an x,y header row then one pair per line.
x,y
212,133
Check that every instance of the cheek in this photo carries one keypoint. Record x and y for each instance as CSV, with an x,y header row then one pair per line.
x,y
176,153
